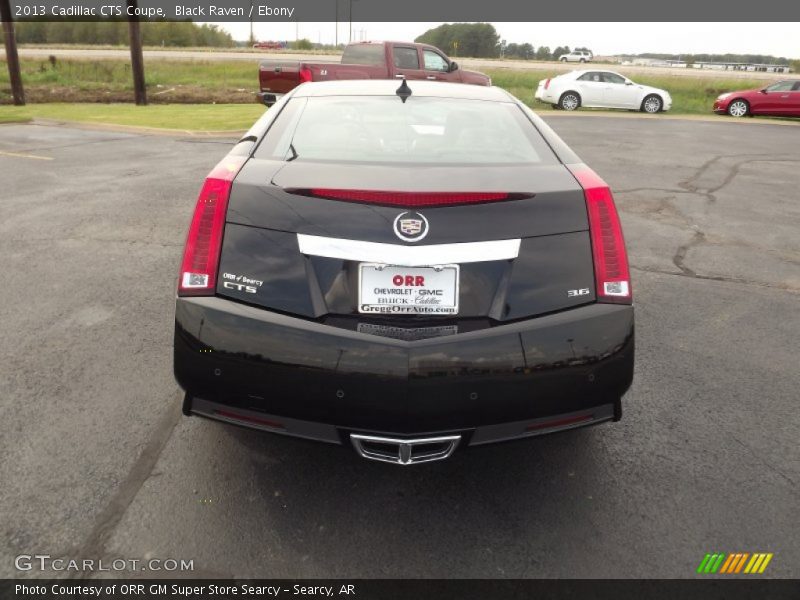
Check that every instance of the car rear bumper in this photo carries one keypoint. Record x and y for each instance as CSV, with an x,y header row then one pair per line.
x,y
471,436
510,378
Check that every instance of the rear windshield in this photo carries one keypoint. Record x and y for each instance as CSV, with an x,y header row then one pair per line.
x,y
382,129
364,54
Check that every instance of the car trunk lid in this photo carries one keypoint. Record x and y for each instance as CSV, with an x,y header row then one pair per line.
x,y
275,205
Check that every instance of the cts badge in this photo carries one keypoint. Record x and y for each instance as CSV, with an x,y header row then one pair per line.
x,y
411,226
230,285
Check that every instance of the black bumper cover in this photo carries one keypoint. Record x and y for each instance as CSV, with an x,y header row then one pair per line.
x,y
234,355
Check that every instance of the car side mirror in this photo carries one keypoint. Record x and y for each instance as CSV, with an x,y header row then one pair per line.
x,y
628,83
453,67
764,91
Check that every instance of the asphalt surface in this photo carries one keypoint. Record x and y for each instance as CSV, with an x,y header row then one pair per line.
x,y
467,63
98,463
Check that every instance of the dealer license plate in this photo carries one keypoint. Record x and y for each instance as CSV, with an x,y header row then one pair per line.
x,y
384,289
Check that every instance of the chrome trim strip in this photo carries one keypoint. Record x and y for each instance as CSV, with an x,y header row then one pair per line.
x,y
405,448
408,256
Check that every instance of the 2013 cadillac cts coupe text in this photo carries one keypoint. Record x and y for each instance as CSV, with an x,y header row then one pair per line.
x,y
406,270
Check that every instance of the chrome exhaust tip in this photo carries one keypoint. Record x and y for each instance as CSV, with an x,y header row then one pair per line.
x,y
404,451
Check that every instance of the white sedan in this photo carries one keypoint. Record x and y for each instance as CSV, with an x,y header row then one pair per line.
x,y
601,89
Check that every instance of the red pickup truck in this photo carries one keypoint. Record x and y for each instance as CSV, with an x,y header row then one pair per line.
x,y
365,60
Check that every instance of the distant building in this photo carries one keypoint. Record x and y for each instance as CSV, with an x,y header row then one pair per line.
x,y
716,66
653,62
763,68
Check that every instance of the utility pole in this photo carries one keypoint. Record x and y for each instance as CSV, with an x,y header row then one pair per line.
x,y
336,20
11,54
137,61
351,19
252,39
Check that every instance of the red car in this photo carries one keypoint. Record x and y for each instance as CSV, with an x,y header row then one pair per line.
x,y
781,99
270,45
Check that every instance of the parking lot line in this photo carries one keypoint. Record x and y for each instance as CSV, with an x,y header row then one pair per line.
x,y
24,155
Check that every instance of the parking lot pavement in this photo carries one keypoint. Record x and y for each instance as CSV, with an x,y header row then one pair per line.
x,y
99,463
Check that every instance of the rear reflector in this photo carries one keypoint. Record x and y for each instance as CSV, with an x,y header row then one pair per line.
x,y
227,414
198,276
305,75
408,199
547,84
612,276
562,422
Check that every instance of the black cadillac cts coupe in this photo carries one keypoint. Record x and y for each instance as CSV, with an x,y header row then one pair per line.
x,y
405,269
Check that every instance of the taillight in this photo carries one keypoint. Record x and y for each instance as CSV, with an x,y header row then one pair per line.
x,y
198,276
612,276
547,84
305,75
408,199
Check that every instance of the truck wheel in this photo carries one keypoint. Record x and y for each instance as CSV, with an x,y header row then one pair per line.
x,y
563,59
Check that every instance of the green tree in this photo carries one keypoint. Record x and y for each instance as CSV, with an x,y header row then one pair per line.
x,y
559,51
303,44
522,51
479,40
34,31
765,59
527,52
115,33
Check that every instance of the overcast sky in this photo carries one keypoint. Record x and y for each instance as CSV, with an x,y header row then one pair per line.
x,y
778,39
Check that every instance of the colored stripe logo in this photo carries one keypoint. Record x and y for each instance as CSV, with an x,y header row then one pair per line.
x,y
735,563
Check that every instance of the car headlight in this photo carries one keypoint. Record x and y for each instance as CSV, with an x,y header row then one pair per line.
x,y
723,96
